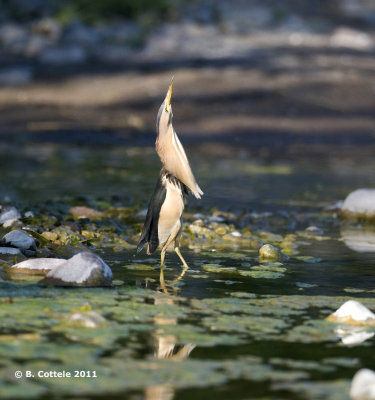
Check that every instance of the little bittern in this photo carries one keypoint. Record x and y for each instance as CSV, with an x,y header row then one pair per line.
x,y
163,223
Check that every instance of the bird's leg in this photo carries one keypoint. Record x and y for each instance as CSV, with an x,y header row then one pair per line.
x,y
177,250
162,257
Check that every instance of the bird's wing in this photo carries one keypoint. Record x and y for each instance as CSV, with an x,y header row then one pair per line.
x,y
150,227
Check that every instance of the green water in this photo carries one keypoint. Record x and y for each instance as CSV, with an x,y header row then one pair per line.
x,y
231,326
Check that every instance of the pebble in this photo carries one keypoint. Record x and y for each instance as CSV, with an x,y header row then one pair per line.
x,y
20,239
359,204
85,212
353,312
363,385
88,319
63,55
83,269
8,216
314,230
9,251
272,253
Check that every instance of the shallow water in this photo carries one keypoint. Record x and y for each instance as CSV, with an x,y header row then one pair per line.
x,y
231,326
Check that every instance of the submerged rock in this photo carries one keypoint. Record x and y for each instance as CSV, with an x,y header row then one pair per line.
x,y
271,253
20,239
353,312
83,269
8,216
363,385
37,266
359,204
88,319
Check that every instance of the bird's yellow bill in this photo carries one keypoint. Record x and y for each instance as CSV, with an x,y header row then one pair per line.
x,y
168,96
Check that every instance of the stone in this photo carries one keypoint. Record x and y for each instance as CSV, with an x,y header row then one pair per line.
x,y
88,319
354,313
48,27
16,76
363,385
314,230
83,269
11,33
81,34
63,55
271,253
36,266
85,212
8,216
20,239
351,38
359,204
10,251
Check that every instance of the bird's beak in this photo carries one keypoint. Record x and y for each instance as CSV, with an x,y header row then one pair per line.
x,y
168,97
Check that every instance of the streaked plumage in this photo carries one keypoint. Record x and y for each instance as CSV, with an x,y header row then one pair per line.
x,y
163,222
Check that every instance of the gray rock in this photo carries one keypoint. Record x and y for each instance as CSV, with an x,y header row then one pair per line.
x,y
81,34
314,230
363,385
11,33
16,76
36,266
11,251
63,55
359,204
9,215
20,239
83,269
36,45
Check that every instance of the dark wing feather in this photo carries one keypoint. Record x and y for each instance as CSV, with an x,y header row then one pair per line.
x,y
150,227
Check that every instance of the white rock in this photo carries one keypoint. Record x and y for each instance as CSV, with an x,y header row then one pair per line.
x,y
363,385
83,269
9,214
350,38
361,202
353,310
37,266
20,239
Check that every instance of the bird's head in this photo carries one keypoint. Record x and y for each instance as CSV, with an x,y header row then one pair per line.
x,y
169,147
165,115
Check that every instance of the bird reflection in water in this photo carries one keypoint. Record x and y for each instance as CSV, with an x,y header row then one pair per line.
x,y
165,347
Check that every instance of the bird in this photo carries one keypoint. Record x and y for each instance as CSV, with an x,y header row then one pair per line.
x,y
163,223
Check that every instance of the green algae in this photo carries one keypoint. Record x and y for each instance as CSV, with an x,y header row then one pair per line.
x,y
232,319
